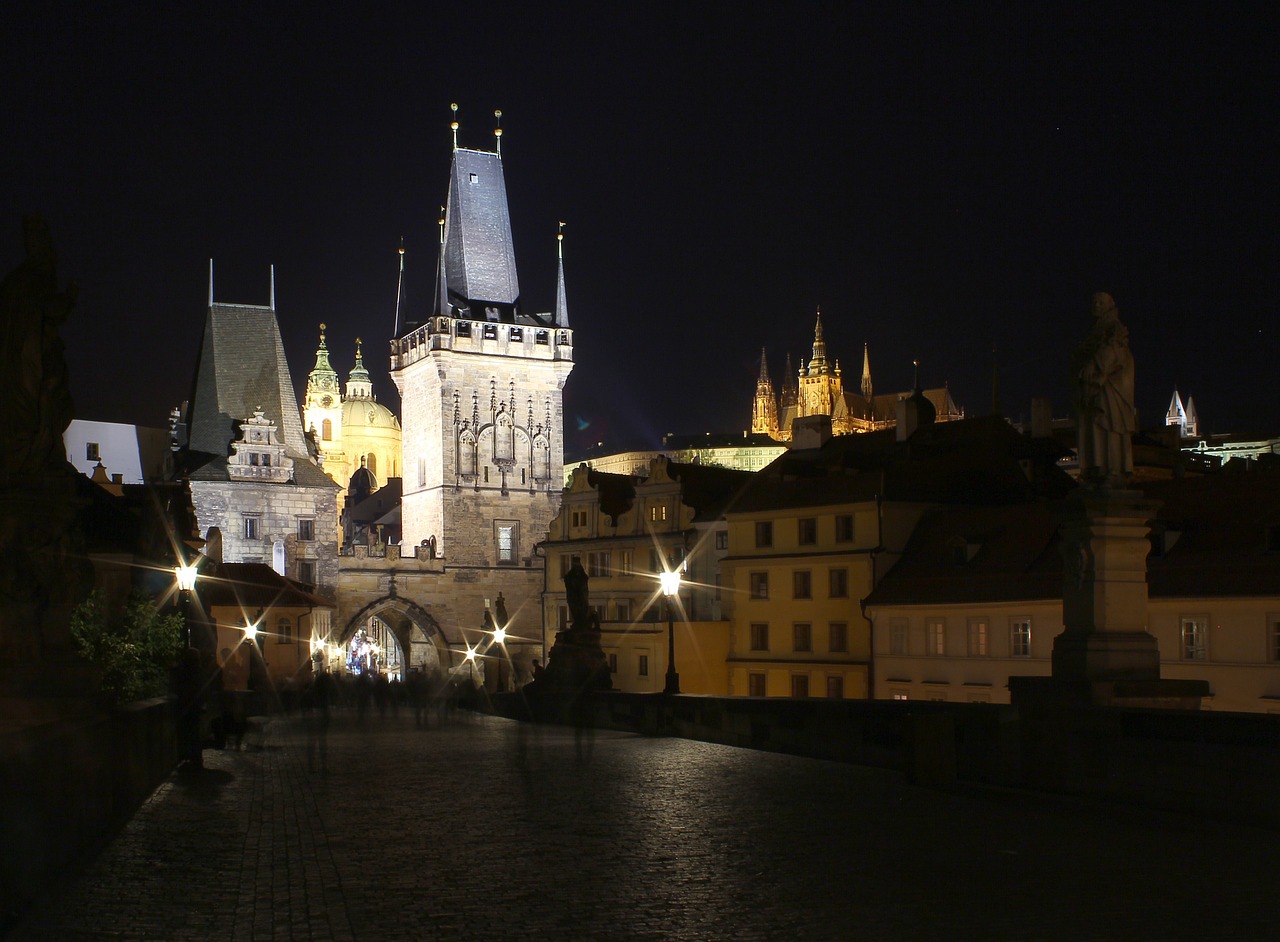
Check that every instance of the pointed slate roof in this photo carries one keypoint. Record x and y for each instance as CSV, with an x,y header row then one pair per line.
x,y
241,369
478,252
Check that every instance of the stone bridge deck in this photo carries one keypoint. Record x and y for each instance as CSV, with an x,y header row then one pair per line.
x,y
483,828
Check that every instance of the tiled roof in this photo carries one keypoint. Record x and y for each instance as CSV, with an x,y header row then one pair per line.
x,y
253,586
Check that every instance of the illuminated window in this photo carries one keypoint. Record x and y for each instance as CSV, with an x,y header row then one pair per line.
x,y
1020,637
1195,638
755,685
808,531
759,585
977,637
799,685
801,584
760,637
801,637
838,637
764,533
508,538
935,632
658,513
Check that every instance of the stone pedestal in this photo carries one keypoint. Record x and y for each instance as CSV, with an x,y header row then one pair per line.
x,y
1105,656
576,664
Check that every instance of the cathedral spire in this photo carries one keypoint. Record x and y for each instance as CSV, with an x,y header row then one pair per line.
x,y
866,374
453,125
210,282
273,288
818,364
562,303
497,131
764,413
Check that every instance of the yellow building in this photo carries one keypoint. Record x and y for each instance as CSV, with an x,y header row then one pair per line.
x,y
268,627
813,534
977,598
624,531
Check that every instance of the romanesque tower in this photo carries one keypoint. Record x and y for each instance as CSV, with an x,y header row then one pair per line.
x,y
480,385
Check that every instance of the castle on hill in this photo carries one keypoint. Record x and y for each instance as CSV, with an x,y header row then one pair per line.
x,y
817,389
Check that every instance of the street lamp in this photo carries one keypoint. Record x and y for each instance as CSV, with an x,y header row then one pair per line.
x,y
186,576
671,589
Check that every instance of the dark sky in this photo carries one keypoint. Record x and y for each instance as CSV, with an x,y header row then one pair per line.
x,y
942,179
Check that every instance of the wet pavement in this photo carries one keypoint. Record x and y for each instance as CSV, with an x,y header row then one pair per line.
x,y
483,828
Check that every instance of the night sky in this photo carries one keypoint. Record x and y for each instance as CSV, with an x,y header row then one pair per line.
x,y
941,179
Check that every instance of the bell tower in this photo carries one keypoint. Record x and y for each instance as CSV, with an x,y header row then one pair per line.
x,y
481,386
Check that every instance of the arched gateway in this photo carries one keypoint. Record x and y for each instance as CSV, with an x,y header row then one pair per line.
x,y
420,645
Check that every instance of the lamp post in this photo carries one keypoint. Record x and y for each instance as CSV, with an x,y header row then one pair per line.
x,y
671,589
186,576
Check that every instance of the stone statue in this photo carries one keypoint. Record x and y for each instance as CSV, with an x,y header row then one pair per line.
x,y
575,590
1103,368
33,372
500,609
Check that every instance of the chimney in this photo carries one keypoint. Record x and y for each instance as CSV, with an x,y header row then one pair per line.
x,y
810,431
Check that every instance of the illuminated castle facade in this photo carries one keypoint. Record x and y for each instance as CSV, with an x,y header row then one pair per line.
x,y
817,389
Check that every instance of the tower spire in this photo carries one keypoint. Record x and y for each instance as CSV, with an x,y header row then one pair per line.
x,y
442,285
497,131
453,125
562,302
866,374
273,287
764,413
818,364
210,282
395,327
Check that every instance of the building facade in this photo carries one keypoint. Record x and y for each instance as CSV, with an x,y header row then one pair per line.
x,y
625,531
256,486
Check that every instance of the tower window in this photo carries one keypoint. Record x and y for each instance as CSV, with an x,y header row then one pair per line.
x,y
252,528
473,178
371,462
306,530
507,534
517,334
91,452
540,337
490,332
464,328
326,430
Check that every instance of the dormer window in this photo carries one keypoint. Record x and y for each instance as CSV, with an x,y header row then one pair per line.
x,y
473,178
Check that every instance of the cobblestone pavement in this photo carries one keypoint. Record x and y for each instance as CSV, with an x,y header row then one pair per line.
x,y
488,829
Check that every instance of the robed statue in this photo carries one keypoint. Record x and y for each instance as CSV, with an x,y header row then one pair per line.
x,y
1103,368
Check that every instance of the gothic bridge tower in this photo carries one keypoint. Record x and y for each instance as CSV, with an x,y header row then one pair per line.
x,y
481,382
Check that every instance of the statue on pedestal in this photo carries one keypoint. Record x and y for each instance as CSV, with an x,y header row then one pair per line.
x,y
1103,373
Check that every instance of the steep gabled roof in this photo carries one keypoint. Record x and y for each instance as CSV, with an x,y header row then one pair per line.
x,y
241,369
253,586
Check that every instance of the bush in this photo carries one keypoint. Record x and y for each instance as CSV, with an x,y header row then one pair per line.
x,y
134,651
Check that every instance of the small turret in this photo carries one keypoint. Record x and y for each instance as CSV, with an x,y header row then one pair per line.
x,y
359,384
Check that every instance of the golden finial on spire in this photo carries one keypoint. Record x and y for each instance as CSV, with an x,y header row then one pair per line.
x,y
497,131
322,333
560,239
453,125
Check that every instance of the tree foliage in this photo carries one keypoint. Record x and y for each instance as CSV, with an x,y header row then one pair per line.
x,y
134,650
